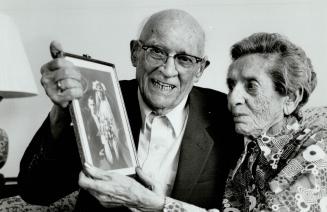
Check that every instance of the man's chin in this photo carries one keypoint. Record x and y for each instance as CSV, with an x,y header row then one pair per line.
x,y
160,100
160,105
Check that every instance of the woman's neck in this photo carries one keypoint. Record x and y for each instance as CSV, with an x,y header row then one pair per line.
x,y
277,127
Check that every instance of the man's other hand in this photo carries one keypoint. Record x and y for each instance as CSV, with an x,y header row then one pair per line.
x,y
112,189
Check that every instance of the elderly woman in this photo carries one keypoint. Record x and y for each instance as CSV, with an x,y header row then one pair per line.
x,y
284,163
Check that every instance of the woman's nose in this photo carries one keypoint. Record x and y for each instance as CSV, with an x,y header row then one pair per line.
x,y
236,96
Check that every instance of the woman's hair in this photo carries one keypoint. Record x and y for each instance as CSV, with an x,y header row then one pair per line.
x,y
291,69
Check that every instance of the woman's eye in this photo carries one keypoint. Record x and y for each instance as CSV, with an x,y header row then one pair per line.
x,y
252,86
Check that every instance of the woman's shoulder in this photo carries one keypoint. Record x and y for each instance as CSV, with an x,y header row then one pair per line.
x,y
314,125
315,117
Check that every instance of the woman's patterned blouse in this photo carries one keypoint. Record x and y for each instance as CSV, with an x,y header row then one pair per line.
x,y
287,172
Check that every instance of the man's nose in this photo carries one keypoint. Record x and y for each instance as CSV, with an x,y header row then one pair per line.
x,y
236,96
169,69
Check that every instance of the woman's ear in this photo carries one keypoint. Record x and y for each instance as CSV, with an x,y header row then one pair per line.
x,y
134,45
292,101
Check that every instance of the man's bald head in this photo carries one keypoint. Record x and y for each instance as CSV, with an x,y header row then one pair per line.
x,y
170,39
177,21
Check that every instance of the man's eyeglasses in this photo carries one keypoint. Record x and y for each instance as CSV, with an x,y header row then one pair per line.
x,y
156,56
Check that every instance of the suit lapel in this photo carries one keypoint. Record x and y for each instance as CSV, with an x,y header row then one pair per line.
x,y
195,148
129,91
196,144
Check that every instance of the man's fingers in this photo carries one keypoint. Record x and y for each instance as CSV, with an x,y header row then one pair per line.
x,y
56,49
46,79
106,199
59,63
120,189
67,73
63,98
56,64
70,94
65,84
108,183
82,180
62,86
97,185
96,173
44,68
85,182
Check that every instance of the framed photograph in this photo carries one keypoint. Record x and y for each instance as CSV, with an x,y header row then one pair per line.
x,y
100,119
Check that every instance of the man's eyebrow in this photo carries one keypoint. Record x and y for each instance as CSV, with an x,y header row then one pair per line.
x,y
159,46
184,52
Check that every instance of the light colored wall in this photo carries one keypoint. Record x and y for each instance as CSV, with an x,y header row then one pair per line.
x,y
103,29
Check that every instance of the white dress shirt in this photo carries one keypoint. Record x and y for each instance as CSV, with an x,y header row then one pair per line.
x,y
159,143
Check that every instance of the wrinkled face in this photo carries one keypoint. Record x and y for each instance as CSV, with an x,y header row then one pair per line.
x,y
163,87
252,99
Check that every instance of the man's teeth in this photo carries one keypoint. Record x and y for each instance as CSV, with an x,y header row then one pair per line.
x,y
164,87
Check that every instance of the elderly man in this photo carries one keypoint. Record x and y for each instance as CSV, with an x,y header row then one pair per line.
x,y
192,146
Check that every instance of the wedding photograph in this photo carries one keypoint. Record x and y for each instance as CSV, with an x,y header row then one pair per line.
x,y
100,119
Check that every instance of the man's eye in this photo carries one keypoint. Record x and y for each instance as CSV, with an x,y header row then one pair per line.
x,y
185,59
157,51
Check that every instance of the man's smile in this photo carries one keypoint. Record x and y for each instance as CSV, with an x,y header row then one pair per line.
x,y
162,86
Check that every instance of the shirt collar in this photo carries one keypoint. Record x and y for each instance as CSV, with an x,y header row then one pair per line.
x,y
176,116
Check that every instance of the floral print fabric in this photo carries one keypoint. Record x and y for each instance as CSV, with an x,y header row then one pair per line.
x,y
287,172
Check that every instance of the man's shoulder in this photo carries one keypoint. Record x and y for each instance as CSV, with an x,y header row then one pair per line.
x,y
207,92
210,98
128,84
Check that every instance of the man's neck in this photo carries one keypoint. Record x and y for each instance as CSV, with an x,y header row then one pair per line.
x,y
159,111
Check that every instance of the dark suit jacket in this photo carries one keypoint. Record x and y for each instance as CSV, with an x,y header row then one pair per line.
x,y
209,149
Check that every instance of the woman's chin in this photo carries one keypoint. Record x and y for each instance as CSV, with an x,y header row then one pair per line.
x,y
242,129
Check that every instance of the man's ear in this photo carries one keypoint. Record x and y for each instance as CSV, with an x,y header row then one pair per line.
x,y
204,64
134,45
292,101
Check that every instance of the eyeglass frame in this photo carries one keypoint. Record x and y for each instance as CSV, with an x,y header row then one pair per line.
x,y
197,59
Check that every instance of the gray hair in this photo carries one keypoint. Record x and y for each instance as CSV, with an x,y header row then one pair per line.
x,y
292,69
